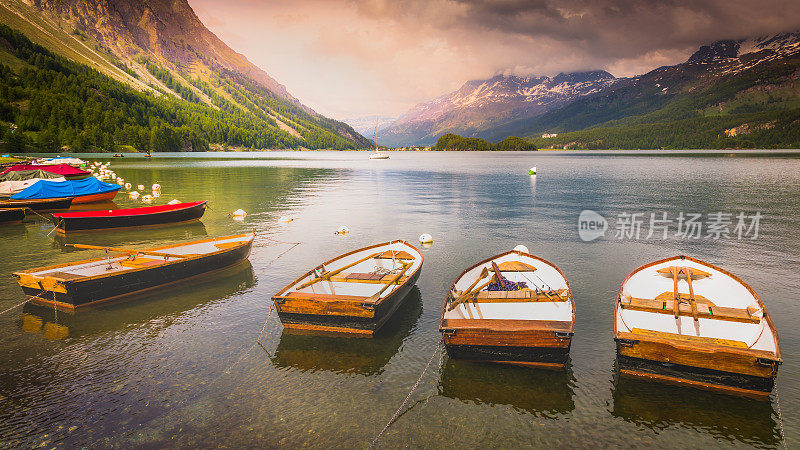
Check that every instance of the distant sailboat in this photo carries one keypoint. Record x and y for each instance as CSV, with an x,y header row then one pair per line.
x,y
377,154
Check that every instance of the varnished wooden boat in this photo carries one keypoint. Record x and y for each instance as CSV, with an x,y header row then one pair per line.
x,y
530,326
91,281
354,293
39,204
687,322
12,215
128,218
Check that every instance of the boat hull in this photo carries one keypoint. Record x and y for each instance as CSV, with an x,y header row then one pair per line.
x,y
51,204
544,345
344,319
12,215
93,198
734,372
81,224
93,290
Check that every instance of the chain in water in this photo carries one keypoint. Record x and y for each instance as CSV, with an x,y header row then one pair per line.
x,y
780,417
408,397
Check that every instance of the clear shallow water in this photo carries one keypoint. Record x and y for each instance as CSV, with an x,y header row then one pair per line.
x,y
152,372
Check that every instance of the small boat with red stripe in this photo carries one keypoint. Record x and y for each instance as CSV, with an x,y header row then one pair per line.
x,y
71,222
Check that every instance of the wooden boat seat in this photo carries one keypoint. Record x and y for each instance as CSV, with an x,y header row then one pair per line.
x,y
224,245
325,297
515,266
397,255
64,276
374,278
522,295
704,310
688,338
696,273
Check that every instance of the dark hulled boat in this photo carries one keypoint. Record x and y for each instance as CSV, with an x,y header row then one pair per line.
x,y
12,215
687,322
46,204
91,281
513,308
355,293
127,218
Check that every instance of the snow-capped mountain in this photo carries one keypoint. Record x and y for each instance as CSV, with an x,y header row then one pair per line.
x,y
479,106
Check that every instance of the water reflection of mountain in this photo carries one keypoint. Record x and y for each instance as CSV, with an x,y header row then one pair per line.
x,y
348,355
539,392
167,302
659,406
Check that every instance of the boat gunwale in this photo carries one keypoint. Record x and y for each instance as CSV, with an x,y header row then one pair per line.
x,y
533,323
280,294
132,270
748,351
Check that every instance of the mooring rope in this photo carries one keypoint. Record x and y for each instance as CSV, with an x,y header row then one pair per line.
x,y
14,307
260,335
408,397
26,301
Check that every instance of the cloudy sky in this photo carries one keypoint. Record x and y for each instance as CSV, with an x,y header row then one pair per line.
x,y
352,58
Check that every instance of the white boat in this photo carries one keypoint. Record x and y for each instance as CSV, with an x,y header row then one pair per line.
x,y
355,293
687,322
378,155
529,322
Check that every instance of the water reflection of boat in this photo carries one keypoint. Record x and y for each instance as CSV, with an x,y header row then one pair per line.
x,y
658,406
54,325
134,237
540,392
362,356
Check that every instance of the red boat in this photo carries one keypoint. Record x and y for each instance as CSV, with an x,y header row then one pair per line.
x,y
65,170
127,218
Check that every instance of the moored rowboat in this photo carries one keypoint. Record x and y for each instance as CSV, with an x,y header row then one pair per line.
x,y
87,190
687,322
91,281
130,217
355,293
512,308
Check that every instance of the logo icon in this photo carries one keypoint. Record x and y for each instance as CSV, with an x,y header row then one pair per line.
x,y
591,225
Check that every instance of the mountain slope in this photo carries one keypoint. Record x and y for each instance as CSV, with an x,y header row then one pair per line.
x,y
481,108
750,84
161,47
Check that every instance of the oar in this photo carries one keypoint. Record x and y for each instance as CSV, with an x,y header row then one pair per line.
x,y
375,297
482,275
688,272
334,272
128,251
676,298
466,295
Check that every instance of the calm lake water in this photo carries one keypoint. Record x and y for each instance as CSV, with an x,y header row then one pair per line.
x,y
156,371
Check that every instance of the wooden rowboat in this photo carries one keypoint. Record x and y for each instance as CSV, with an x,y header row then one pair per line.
x,y
91,281
687,322
39,204
531,326
127,218
354,293
12,215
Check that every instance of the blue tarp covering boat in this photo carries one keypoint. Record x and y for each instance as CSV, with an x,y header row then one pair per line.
x,y
89,189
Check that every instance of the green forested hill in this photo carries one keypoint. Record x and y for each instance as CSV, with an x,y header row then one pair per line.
x,y
454,142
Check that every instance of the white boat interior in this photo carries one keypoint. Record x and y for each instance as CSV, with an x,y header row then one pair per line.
x,y
363,273
726,312
547,296
116,264
9,188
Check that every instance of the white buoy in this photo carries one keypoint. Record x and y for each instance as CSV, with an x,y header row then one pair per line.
x,y
521,248
156,194
128,186
342,230
284,219
532,171
156,187
140,187
174,201
425,238
134,195
147,198
119,182
239,214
